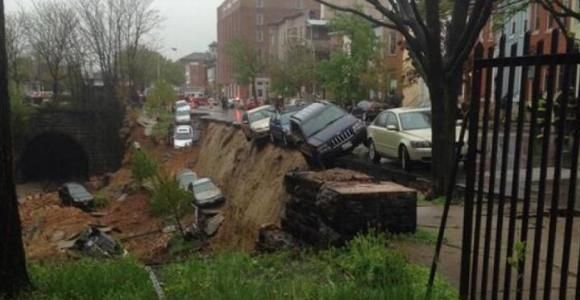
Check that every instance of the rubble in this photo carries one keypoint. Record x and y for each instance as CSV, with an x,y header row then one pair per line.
x,y
330,208
94,242
213,224
272,238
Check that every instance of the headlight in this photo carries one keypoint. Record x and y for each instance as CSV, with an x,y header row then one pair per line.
x,y
421,144
324,148
358,126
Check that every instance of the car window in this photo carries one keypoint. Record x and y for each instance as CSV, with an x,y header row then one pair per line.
x,y
416,120
259,115
245,117
326,117
392,120
204,187
182,113
184,135
381,120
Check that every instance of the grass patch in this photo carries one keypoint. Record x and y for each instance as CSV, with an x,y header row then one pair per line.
x,y
367,269
91,279
425,236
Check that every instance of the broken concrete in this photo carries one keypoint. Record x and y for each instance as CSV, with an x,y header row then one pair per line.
x,y
330,208
213,224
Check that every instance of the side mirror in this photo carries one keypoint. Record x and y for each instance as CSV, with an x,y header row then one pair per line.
x,y
392,128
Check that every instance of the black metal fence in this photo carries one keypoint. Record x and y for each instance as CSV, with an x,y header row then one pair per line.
x,y
521,240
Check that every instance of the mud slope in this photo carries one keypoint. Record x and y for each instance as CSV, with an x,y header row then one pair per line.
x,y
251,178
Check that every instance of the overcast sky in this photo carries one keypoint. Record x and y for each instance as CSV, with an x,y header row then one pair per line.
x,y
189,25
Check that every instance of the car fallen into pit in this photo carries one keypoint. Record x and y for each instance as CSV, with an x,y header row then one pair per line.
x,y
324,131
206,193
75,194
256,122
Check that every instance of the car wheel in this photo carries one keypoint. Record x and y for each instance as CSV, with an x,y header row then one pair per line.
x,y
404,157
373,155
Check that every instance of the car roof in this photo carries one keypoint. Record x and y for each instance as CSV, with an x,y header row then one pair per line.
x,y
309,110
263,107
180,102
186,172
201,181
408,109
184,108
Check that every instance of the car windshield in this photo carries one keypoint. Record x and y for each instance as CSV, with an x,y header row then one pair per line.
x,y
184,135
181,104
182,113
204,187
416,120
259,115
322,119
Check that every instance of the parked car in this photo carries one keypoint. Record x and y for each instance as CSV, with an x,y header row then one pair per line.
x,y
280,126
183,136
183,115
256,122
75,194
403,134
368,110
206,193
180,104
186,178
324,131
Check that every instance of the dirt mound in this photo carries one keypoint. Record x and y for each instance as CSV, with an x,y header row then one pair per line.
x,y
45,222
338,175
251,177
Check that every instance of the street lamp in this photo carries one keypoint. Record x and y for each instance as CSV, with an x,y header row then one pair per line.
x,y
159,62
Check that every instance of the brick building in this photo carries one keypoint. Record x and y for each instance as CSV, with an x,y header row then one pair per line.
x,y
247,20
196,70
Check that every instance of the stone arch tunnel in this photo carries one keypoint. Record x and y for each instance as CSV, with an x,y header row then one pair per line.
x,y
68,145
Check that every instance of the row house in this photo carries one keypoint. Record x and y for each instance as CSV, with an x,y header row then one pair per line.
x,y
248,21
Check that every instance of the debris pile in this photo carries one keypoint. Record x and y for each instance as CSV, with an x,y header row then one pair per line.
x,y
329,208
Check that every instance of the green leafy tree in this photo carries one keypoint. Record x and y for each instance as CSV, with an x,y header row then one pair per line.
x,y
160,97
20,113
342,74
297,70
150,66
142,166
248,63
169,199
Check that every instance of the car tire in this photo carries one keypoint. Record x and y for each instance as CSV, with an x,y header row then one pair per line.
x,y
373,155
404,160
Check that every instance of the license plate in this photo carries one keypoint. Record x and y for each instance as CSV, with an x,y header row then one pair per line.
x,y
347,146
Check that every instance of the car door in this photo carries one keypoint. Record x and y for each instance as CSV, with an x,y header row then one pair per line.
x,y
377,131
391,136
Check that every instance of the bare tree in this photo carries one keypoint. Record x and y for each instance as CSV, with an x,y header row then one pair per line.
x,y
13,274
113,28
439,36
16,45
49,27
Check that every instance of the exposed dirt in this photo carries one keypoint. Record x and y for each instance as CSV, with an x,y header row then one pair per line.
x,y
46,222
252,179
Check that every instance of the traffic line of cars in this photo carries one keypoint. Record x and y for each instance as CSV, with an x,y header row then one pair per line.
x,y
323,132
183,133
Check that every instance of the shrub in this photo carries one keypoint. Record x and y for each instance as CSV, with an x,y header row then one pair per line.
x,y
169,199
101,200
142,166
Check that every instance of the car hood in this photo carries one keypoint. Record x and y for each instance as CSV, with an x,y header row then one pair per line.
x,y
425,134
332,130
419,134
264,123
182,143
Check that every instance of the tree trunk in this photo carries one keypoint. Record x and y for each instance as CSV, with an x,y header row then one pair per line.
x,y
13,274
444,114
254,90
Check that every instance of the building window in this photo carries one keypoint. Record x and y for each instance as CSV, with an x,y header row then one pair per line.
x,y
259,36
514,27
259,3
536,17
259,19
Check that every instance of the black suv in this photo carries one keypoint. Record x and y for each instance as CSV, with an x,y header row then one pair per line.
x,y
324,131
